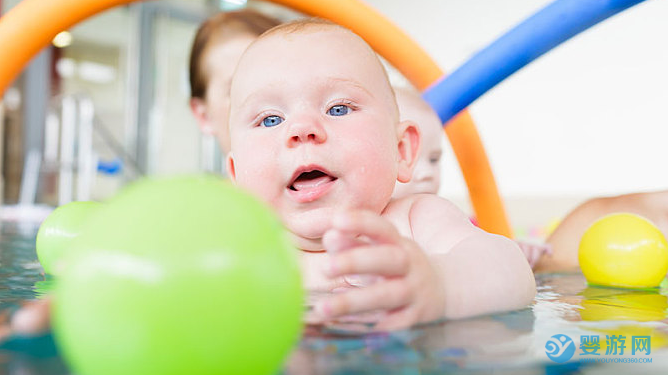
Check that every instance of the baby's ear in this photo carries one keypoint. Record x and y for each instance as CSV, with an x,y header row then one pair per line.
x,y
409,148
230,167
198,108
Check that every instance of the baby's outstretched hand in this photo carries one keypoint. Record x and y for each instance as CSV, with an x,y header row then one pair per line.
x,y
401,282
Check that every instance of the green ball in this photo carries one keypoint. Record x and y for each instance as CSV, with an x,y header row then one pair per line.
x,y
185,275
61,227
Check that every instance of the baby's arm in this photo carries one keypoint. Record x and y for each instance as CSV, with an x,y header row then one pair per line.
x,y
481,272
465,272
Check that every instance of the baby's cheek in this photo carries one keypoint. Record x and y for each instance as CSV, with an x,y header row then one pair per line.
x,y
258,178
377,183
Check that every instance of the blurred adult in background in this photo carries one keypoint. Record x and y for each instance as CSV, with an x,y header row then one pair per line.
x,y
218,45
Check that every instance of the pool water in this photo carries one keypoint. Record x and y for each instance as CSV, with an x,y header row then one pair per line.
x,y
21,279
564,309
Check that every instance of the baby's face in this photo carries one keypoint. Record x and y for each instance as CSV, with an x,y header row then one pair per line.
x,y
313,128
427,173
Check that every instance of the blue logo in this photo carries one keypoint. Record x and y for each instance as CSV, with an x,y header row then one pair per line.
x,y
560,348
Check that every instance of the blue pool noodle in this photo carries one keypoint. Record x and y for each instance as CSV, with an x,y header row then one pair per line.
x,y
527,41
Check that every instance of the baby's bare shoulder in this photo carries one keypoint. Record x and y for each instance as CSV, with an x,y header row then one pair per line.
x,y
419,212
398,212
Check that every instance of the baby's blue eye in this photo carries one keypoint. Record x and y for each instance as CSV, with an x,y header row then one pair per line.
x,y
272,120
338,110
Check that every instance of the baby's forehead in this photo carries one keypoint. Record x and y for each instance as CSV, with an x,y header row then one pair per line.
x,y
332,35
300,44
329,51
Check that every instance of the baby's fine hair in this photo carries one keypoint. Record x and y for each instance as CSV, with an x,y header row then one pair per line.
x,y
303,25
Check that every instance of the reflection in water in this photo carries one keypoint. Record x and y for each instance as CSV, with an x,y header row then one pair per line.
x,y
620,305
19,268
498,341
599,304
505,343
20,277
508,343
44,287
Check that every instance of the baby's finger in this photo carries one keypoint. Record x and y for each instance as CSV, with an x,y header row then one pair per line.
x,y
383,260
387,295
366,223
401,318
335,240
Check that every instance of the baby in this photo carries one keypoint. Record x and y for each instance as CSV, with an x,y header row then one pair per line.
x,y
315,133
427,173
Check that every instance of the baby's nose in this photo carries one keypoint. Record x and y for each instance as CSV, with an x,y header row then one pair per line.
x,y
306,131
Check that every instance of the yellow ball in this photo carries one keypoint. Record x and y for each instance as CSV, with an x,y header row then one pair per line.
x,y
624,250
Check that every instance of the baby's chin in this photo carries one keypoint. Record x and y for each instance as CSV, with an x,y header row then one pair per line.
x,y
308,229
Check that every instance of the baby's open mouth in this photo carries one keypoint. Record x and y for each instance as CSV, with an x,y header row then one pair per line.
x,y
310,180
